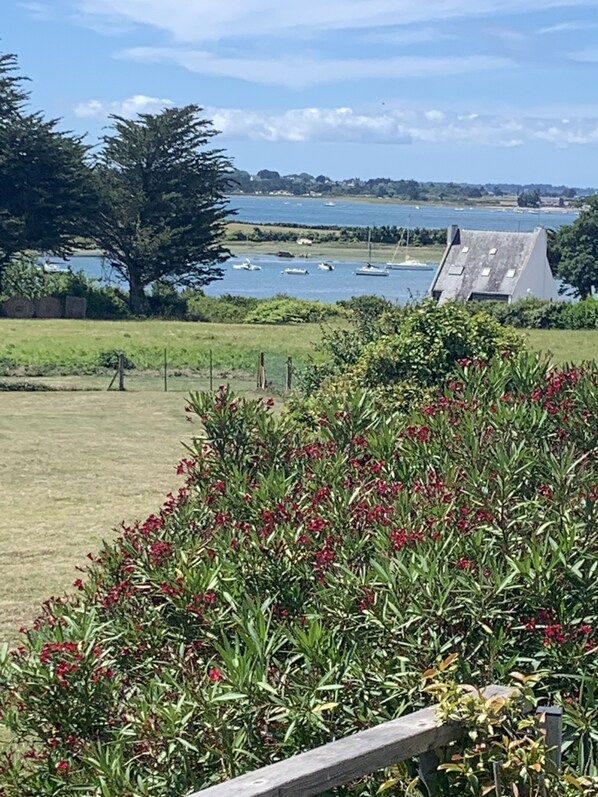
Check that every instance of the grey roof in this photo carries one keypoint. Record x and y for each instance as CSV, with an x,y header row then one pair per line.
x,y
484,262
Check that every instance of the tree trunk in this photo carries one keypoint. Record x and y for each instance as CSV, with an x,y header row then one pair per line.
x,y
136,294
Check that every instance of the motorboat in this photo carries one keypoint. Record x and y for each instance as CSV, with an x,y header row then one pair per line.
x,y
329,204
51,267
295,271
325,266
246,265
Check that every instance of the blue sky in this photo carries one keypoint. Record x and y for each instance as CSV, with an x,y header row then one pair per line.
x,y
464,90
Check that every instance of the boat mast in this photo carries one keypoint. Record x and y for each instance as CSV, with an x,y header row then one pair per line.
x,y
369,246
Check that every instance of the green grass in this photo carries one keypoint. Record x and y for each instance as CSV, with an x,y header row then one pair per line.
x,y
74,464
565,345
66,346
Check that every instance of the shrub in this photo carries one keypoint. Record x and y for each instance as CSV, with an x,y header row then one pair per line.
x,y
405,352
298,584
286,310
215,310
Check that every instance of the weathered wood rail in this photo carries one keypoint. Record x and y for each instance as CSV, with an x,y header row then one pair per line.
x,y
360,754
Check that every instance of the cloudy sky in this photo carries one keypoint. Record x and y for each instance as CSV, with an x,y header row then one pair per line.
x,y
464,90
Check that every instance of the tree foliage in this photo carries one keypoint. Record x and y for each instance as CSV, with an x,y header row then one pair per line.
x,y
578,251
46,194
162,200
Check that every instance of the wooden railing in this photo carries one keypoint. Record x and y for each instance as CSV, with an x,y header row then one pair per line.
x,y
360,754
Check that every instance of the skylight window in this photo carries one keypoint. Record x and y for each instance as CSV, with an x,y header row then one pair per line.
x,y
493,251
486,272
465,250
511,273
456,271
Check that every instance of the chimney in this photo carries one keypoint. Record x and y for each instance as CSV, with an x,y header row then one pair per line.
x,y
453,234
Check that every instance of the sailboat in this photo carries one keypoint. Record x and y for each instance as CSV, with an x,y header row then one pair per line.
x,y
409,263
369,270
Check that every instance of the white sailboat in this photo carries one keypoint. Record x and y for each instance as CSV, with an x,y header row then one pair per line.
x,y
325,266
295,271
408,263
369,270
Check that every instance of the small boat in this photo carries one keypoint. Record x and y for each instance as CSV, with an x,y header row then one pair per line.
x,y
246,265
408,263
295,271
325,266
51,267
284,254
369,270
329,204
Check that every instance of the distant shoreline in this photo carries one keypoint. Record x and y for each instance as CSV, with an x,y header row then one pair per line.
x,y
508,204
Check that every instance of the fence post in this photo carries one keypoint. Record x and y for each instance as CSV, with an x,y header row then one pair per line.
x,y
211,373
550,722
261,372
428,772
289,373
121,371
165,372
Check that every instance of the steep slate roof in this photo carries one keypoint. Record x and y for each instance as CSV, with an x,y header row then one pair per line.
x,y
513,250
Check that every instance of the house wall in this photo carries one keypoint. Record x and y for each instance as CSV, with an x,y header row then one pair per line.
x,y
536,279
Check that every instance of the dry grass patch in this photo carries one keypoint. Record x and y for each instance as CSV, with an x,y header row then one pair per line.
x,y
73,465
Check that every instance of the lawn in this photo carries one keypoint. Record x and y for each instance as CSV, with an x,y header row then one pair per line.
x,y
74,464
67,346
565,345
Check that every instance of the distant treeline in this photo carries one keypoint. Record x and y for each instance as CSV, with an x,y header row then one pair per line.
x,y
385,234
267,181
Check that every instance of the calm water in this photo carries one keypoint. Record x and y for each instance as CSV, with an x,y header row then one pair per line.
x,y
355,213
343,283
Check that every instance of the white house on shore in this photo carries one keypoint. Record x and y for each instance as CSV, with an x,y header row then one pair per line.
x,y
501,266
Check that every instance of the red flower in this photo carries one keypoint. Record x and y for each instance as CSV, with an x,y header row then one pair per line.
x,y
214,674
62,766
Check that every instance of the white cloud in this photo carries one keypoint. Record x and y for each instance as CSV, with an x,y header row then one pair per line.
x,y
563,27
296,72
392,125
38,12
212,20
402,125
128,108
585,56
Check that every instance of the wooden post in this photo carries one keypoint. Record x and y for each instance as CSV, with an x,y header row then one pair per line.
x,y
165,372
550,721
211,373
428,772
261,372
289,373
121,371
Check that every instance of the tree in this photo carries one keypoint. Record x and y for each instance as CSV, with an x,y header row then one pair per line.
x,y
578,250
529,199
162,201
46,190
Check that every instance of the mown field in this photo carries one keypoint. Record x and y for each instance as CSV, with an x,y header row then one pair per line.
x,y
74,464
65,346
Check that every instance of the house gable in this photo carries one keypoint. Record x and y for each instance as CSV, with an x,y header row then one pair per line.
x,y
480,265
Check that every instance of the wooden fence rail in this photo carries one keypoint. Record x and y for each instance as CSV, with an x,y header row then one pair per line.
x,y
360,754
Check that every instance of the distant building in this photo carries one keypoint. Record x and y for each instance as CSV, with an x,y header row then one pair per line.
x,y
500,266
304,241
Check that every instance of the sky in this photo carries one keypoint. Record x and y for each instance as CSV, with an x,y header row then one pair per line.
x,y
465,90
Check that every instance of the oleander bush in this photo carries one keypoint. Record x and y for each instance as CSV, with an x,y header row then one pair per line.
x,y
304,576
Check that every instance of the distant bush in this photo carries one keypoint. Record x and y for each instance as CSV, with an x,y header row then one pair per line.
x,y
533,313
215,310
403,353
287,310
